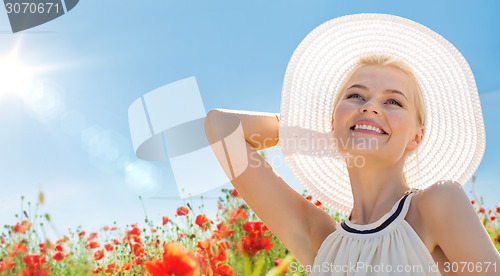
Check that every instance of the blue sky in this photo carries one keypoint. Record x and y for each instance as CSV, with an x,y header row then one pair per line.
x,y
102,55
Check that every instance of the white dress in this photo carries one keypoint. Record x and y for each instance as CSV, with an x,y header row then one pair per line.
x,y
388,246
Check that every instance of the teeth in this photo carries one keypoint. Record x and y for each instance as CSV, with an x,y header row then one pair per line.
x,y
372,128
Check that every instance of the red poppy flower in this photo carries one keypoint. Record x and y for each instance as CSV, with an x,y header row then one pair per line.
x,y
223,246
58,256
182,211
135,231
116,242
203,222
165,220
277,262
113,228
22,227
97,270
176,260
254,243
136,239
81,234
32,271
138,260
237,214
472,202
92,236
498,210
138,250
92,245
222,231
108,247
105,228
34,265
133,234
6,264
27,223
126,267
489,211
18,248
203,244
63,240
34,260
223,270
43,248
112,268
59,248
481,210
211,256
255,227
235,193
493,218
319,204
309,197
99,254
19,228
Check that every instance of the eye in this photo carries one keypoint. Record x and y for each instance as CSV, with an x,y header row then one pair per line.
x,y
394,101
352,95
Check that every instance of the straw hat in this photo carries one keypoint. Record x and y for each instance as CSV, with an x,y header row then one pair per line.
x,y
454,139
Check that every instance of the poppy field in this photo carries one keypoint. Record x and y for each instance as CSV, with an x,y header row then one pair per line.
x,y
236,242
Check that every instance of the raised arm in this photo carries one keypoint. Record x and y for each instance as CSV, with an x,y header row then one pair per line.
x,y
297,223
260,128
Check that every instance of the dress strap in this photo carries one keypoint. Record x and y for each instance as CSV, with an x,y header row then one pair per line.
x,y
406,205
397,213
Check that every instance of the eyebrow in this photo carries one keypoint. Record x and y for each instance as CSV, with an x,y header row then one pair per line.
x,y
386,91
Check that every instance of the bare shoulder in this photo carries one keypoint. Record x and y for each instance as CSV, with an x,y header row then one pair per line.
x,y
446,190
449,217
435,201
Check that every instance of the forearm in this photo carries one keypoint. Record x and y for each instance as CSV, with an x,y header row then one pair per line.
x,y
260,128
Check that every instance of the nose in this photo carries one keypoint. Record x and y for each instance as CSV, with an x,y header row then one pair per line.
x,y
369,107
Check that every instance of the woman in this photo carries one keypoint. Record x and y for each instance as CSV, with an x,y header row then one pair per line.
x,y
370,113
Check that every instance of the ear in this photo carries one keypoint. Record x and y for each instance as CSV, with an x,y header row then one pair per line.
x,y
417,139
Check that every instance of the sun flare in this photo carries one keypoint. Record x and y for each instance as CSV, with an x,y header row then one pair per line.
x,y
15,75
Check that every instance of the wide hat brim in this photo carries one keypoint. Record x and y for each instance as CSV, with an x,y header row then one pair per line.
x,y
454,139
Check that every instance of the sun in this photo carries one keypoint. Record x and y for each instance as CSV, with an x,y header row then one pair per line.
x,y
15,75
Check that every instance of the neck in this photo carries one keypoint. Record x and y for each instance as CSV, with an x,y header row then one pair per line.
x,y
376,187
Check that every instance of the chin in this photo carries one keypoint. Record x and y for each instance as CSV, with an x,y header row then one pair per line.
x,y
364,153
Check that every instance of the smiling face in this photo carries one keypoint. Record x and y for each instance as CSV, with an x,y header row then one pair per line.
x,y
376,114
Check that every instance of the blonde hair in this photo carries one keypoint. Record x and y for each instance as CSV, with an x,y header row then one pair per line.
x,y
388,61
